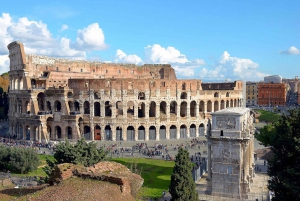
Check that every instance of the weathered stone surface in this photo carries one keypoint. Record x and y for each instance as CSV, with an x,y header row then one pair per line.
x,y
112,172
55,99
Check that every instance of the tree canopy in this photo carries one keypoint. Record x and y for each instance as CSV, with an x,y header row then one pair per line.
x,y
20,160
182,185
82,152
283,137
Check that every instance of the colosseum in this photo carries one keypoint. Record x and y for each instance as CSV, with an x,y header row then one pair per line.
x,y
56,99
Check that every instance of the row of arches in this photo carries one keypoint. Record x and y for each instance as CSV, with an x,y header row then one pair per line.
x,y
105,108
130,133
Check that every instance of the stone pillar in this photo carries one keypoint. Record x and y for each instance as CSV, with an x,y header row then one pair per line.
x,y
136,132
157,132
102,109
188,110
136,110
197,110
178,109
146,134
113,133
205,107
24,132
157,112
92,130
168,112
178,132
40,133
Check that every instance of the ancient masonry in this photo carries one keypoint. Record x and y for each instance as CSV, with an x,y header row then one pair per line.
x,y
55,99
231,153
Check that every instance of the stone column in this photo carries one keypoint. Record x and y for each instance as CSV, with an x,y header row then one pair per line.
x,y
136,132
39,133
92,130
146,134
168,112
157,132
157,112
188,110
178,110
24,132
197,110
178,132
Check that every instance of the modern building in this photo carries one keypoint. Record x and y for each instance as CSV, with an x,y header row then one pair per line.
x,y
55,99
272,92
231,153
251,94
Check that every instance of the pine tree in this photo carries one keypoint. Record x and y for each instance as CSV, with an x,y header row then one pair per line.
x,y
283,168
182,187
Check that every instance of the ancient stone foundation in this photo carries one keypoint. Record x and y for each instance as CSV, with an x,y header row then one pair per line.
x,y
104,171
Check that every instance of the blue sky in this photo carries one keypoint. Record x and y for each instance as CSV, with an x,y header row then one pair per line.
x,y
207,40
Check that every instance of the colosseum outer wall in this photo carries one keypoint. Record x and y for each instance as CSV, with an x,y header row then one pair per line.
x,y
54,99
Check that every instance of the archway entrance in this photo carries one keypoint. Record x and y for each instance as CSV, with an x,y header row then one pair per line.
x,y
193,130
108,133
130,133
152,133
97,133
119,134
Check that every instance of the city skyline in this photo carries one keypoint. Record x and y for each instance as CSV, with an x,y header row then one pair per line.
x,y
211,41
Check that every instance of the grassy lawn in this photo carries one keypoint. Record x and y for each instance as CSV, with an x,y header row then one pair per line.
x,y
268,116
156,174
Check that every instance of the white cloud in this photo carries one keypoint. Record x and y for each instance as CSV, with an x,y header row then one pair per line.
x,y
4,64
90,38
121,57
183,67
64,27
161,55
292,50
232,68
5,38
38,39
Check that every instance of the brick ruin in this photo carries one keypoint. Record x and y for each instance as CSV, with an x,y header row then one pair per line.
x,y
112,172
55,99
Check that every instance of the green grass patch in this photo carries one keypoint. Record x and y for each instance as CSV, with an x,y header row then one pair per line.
x,y
156,174
268,116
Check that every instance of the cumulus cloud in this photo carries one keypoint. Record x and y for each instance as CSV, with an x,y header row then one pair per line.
x,y
4,64
121,57
5,37
183,67
292,50
232,68
37,39
64,27
90,38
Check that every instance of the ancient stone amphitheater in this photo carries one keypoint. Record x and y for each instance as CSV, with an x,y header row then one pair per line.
x,y
55,99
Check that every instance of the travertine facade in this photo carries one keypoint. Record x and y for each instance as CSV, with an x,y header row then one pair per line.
x,y
54,99
231,152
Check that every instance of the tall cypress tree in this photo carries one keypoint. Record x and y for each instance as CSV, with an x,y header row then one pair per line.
x,y
182,187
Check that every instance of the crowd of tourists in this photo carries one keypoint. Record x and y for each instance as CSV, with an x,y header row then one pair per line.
x,y
27,144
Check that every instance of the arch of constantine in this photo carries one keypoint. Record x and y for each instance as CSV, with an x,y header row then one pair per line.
x,y
55,99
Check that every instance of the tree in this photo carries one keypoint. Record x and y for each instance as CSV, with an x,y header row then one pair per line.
x,y
283,137
82,152
182,187
21,160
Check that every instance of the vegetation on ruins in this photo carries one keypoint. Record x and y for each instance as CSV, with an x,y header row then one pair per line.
x,y
19,160
83,152
283,137
182,185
